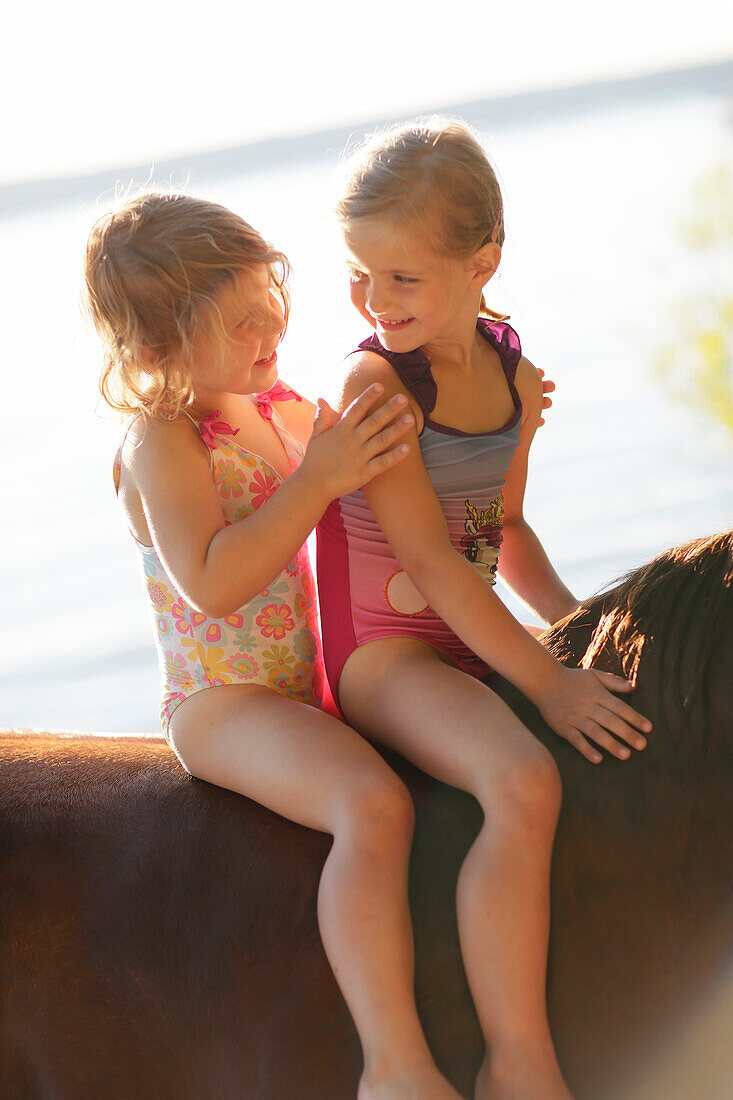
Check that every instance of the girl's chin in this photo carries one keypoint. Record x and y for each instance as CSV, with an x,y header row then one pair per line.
x,y
265,374
399,339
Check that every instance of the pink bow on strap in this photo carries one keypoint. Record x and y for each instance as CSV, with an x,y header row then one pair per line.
x,y
210,427
278,392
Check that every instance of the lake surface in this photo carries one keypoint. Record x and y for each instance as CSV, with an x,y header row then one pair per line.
x,y
594,273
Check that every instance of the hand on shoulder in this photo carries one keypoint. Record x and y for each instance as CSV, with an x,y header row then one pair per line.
x,y
548,387
363,369
528,381
347,451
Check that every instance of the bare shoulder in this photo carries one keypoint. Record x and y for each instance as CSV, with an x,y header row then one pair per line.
x,y
528,381
363,369
153,445
528,378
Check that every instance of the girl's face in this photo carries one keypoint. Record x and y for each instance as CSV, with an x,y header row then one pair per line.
x,y
245,361
409,293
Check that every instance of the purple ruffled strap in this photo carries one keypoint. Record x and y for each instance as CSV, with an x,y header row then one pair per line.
x,y
412,368
506,342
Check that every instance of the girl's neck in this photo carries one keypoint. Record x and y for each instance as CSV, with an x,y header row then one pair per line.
x,y
228,405
458,353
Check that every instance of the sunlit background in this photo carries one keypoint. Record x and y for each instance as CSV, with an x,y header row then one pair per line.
x,y
610,130
610,126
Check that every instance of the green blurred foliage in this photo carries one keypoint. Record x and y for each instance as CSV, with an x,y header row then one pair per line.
x,y
698,367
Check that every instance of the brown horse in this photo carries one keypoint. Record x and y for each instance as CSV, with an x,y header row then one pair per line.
x,y
158,935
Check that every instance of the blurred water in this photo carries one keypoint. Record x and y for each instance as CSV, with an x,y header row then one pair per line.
x,y
592,271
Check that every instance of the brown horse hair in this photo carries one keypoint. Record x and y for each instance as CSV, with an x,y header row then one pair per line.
x,y
676,610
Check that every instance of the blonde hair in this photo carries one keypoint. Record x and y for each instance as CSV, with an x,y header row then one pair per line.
x,y
433,176
154,271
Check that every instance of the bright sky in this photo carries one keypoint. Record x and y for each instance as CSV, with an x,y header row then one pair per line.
x,y
87,85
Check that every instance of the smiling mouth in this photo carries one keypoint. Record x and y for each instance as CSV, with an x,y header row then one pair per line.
x,y
267,360
393,324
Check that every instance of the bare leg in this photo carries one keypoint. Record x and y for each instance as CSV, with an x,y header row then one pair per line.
x,y
455,728
313,769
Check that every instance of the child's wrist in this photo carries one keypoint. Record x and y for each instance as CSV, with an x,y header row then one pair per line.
x,y
563,608
313,484
541,678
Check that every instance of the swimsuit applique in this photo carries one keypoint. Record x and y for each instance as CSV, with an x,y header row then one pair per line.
x,y
482,540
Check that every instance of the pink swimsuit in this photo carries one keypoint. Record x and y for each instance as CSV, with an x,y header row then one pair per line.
x,y
272,640
364,593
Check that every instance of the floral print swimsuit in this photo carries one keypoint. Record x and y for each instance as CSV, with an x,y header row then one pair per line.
x,y
273,640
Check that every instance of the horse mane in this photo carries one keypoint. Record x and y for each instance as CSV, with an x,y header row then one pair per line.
x,y
677,610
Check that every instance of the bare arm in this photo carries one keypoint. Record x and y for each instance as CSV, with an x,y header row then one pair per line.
x,y
574,702
403,501
523,563
219,568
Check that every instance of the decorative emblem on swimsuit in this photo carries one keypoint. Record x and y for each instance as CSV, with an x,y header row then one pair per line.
x,y
483,537
403,597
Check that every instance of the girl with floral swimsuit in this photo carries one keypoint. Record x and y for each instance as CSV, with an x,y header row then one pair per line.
x,y
222,475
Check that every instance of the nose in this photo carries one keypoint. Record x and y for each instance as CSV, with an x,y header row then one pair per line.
x,y
376,298
276,320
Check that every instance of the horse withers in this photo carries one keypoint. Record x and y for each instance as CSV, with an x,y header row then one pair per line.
x,y
158,935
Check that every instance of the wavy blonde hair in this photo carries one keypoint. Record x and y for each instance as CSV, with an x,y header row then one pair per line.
x,y
433,176
154,271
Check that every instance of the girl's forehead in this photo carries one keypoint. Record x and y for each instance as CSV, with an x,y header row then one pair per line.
x,y
384,245
247,286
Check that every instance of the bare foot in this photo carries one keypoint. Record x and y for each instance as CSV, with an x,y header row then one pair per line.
x,y
422,1084
523,1080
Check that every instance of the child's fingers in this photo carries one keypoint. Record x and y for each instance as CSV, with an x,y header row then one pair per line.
x,y
547,383
617,706
598,732
360,406
381,418
612,681
386,460
576,739
324,417
613,722
384,438
365,419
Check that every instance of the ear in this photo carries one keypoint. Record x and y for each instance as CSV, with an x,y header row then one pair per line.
x,y
483,265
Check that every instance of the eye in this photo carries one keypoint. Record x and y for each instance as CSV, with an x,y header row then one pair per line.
x,y
257,314
404,279
355,275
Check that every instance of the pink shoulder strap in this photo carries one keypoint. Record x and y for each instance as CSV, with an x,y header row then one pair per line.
x,y
278,392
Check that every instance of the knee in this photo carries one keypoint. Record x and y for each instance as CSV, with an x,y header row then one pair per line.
x,y
377,811
528,794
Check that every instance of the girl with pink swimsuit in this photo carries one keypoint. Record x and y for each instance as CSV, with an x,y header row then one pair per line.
x,y
411,623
